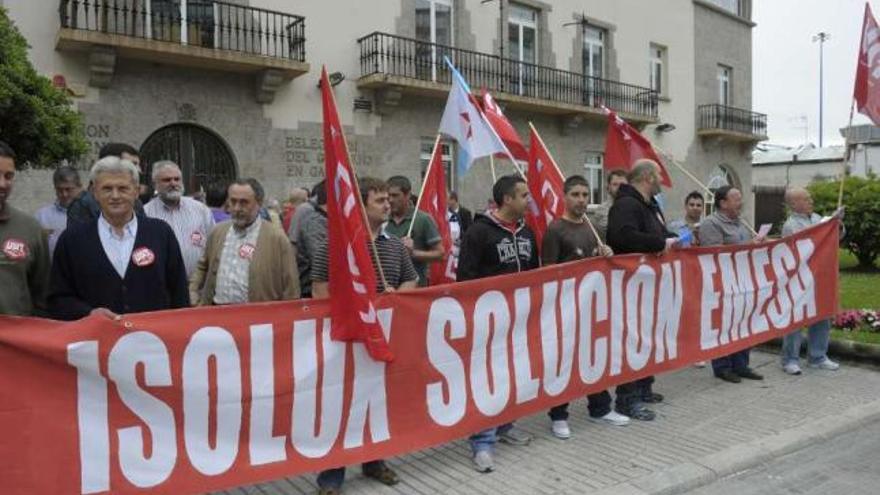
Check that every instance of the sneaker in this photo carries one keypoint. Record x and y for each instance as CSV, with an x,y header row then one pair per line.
x,y
613,418
514,436
825,364
792,369
700,364
639,412
561,430
728,376
483,462
749,374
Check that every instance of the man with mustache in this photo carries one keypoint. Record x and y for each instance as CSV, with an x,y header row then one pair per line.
x,y
190,220
247,259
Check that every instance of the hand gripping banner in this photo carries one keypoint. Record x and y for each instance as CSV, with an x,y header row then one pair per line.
x,y
201,399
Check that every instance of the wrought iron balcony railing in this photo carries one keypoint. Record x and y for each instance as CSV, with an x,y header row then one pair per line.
x,y
724,118
202,23
393,55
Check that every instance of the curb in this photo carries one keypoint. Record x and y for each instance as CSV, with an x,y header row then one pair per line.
x,y
694,474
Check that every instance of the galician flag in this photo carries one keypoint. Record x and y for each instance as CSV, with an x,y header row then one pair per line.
x,y
464,122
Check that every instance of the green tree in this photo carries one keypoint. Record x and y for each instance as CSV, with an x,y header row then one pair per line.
x,y
36,118
861,196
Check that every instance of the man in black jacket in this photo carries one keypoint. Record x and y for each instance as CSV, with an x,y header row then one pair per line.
x,y
498,243
120,262
460,213
636,225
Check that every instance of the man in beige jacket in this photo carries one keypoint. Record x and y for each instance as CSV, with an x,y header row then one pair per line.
x,y
246,258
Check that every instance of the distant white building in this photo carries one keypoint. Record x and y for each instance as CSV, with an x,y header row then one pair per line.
x,y
774,169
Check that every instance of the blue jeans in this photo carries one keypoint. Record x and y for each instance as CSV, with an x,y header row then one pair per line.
x,y
738,361
817,343
486,439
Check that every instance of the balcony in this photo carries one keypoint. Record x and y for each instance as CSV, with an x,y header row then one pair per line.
x,y
394,65
731,123
204,34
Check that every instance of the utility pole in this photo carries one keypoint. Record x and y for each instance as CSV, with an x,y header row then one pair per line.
x,y
822,37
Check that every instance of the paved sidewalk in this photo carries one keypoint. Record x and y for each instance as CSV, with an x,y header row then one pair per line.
x,y
706,429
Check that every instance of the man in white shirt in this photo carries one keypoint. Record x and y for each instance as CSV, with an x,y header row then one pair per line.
x,y
53,217
191,220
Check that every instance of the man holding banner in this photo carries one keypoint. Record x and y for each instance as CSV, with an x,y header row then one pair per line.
x,y
498,243
636,225
570,238
724,228
397,274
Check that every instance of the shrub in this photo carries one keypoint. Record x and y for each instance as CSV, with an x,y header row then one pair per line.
x,y
861,196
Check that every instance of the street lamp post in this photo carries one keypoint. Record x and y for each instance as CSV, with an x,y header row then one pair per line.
x,y
822,37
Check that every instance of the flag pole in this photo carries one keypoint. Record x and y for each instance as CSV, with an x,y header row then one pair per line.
x,y
492,166
846,155
357,192
422,189
556,166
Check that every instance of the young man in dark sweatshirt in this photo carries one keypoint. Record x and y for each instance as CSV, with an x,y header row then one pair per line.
x,y
498,243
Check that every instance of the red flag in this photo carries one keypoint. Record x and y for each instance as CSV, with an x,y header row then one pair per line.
x,y
433,202
867,87
352,279
545,187
625,144
502,126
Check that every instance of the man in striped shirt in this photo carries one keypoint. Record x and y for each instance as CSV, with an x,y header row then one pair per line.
x,y
398,273
190,220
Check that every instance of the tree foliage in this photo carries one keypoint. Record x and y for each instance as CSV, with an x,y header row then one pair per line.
x,y
861,196
36,118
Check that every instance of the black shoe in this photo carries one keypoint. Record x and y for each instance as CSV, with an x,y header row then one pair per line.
x,y
728,376
652,398
749,374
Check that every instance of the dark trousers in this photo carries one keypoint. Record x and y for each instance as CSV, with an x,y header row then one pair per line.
x,y
333,478
598,405
738,361
629,394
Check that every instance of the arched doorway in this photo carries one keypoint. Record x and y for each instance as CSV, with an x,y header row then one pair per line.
x,y
203,156
722,175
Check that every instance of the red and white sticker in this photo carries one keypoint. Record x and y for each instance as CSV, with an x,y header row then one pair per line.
x,y
143,256
15,249
246,251
197,239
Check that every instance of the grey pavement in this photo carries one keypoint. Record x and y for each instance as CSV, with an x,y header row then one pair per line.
x,y
846,464
705,430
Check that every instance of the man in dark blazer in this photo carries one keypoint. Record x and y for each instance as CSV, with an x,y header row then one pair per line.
x,y
120,262
464,216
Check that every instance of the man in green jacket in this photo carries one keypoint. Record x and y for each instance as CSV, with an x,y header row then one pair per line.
x,y
24,250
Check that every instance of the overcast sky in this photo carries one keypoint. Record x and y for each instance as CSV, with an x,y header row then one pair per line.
x,y
786,66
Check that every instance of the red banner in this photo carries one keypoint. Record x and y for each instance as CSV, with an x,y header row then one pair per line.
x,y
432,200
624,144
201,399
546,187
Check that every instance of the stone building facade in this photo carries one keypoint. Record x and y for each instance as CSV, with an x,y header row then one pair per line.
x,y
230,88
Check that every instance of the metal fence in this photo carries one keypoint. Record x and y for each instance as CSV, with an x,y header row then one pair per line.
x,y
715,116
389,54
208,24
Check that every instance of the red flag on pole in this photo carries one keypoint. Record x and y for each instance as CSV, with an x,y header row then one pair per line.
x,y
867,86
503,127
625,144
545,183
432,201
352,279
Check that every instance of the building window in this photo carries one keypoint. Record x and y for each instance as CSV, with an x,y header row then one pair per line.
x,y
594,51
522,40
433,26
725,74
657,69
595,175
426,147
732,6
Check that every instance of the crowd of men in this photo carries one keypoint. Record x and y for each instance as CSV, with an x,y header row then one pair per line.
x,y
120,246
